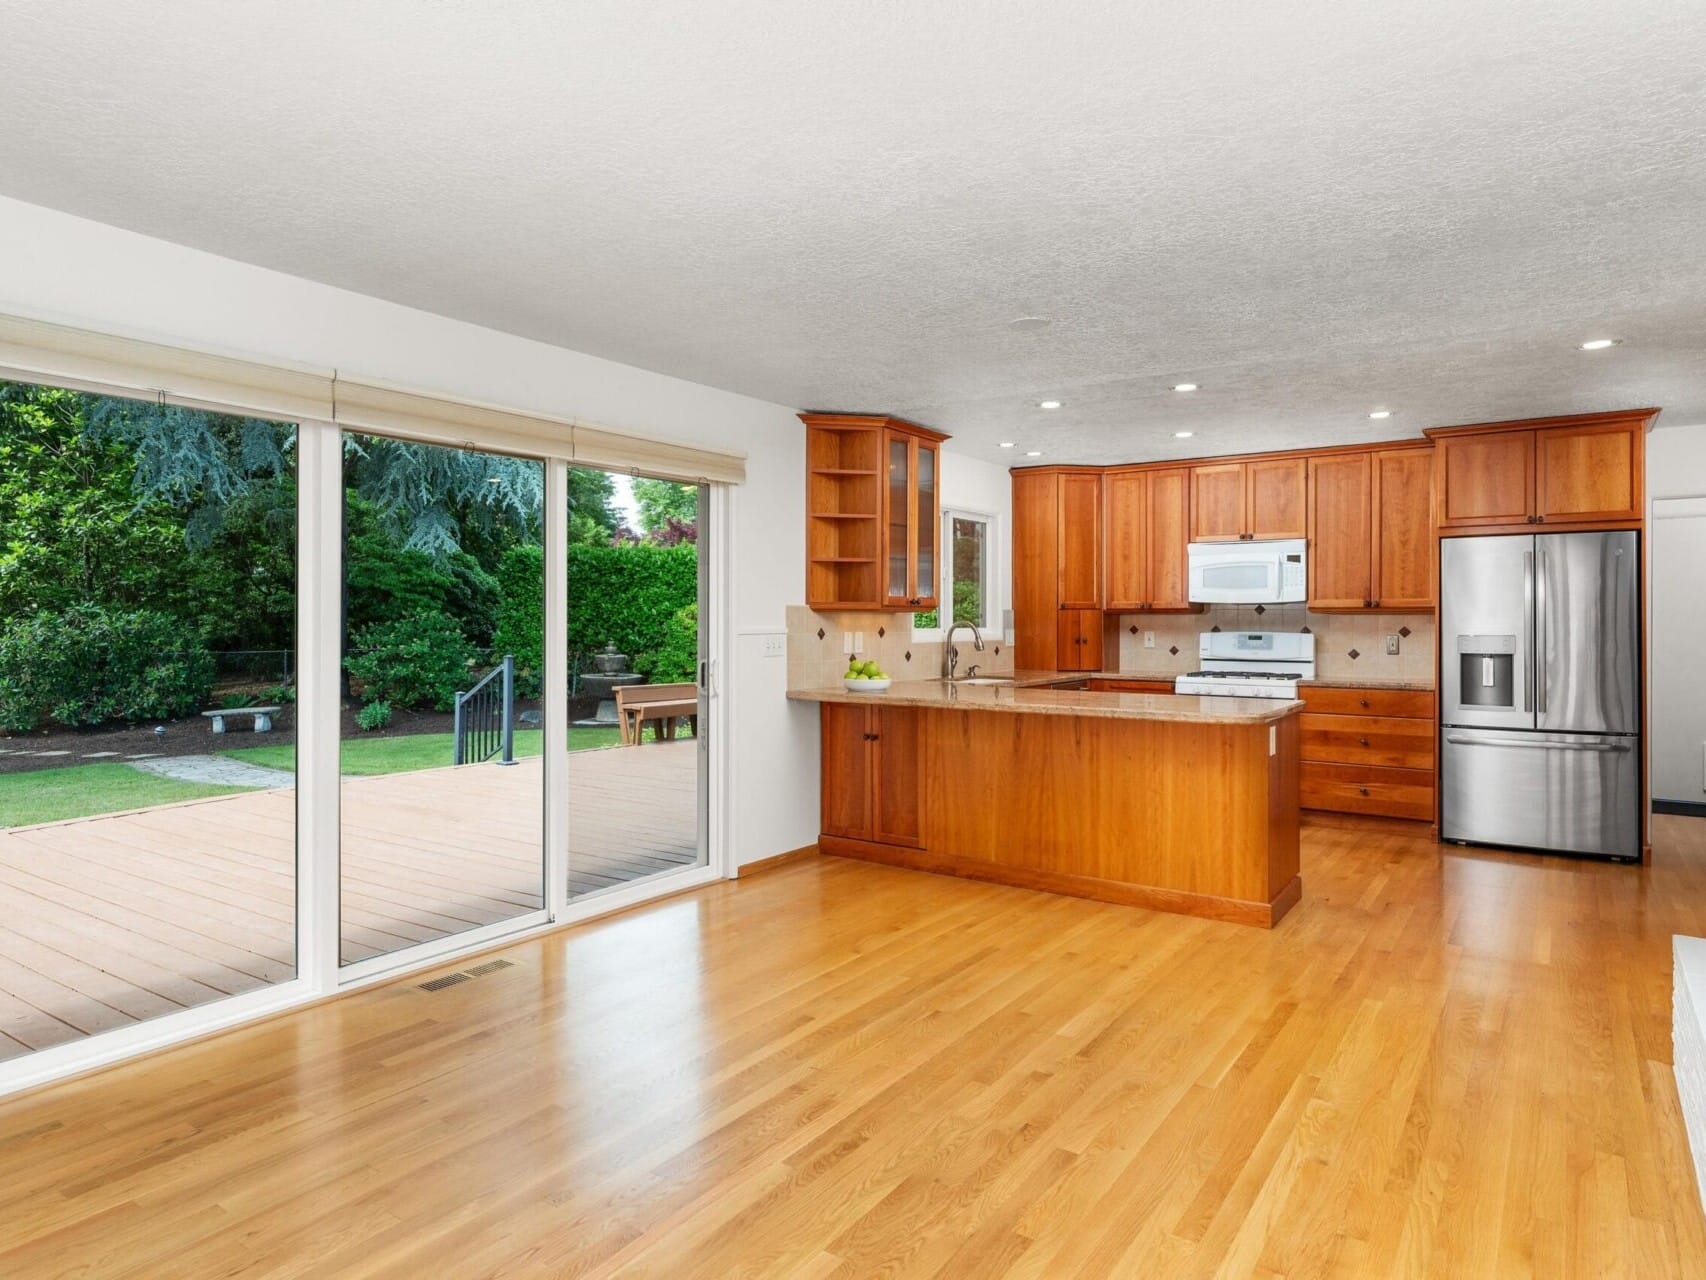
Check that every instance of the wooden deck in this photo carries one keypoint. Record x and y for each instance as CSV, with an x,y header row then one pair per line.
x,y
112,920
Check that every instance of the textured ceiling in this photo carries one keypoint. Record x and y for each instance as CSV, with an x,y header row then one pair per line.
x,y
1312,210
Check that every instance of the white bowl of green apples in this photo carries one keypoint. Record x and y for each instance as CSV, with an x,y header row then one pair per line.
x,y
865,677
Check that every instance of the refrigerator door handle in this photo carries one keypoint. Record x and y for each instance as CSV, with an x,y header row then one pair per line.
x,y
1540,632
1528,630
1477,740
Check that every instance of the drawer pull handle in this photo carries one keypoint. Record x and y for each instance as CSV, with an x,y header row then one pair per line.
x,y
1362,791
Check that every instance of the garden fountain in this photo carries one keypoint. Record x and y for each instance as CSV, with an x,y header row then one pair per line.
x,y
612,673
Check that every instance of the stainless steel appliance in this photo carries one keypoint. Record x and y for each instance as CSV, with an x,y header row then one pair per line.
x,y
1270,572
1540,706
1250,664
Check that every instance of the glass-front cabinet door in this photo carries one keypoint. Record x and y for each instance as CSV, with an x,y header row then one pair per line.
x,y
911,504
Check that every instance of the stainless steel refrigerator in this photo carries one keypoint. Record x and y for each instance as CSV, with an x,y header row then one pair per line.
x,y
1540,711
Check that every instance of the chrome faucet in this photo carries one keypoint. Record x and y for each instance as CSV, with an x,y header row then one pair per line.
x,y
951,654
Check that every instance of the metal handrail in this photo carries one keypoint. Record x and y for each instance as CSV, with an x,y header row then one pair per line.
x,y
476,738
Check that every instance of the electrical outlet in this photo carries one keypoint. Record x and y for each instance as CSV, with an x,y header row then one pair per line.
x,y
776,645
1148,639
1392,646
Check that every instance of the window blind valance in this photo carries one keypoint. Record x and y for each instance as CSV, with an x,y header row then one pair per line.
x,y
33,350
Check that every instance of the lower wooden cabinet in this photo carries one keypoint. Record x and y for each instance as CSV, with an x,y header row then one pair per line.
x,y
1368,751
872,773
1078,643
1105,685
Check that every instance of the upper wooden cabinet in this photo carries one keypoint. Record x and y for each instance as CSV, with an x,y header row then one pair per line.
x,y
1239,501
1582,471
1057,567
1371,530
1080,554
873,512
1145,522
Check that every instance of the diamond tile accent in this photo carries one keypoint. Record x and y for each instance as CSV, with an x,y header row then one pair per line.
x,y
909,655
1132,628
820,633
1173,649
1354,655
1405,632
1305,632
997,651
1215,627
881,632
1261,609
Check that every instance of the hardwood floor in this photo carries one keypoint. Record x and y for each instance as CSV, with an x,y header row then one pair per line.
x,y
113,920
1443,1063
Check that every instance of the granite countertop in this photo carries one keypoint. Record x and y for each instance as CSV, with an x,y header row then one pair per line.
x,y
1025,698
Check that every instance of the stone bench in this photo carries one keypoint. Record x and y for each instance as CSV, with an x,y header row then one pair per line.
x,y
263,717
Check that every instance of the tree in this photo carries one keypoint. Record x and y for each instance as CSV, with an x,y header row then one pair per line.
x,y
661,501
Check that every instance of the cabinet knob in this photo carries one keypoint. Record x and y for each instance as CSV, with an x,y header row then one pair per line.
x,y
1363,701
1362,791
1362,742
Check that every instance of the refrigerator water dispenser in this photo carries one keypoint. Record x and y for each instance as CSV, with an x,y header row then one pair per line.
x,y
1487,671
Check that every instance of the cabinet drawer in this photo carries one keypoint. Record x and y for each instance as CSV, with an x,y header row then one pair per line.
x,y
1414,703
1367,739
1131,686
1353,788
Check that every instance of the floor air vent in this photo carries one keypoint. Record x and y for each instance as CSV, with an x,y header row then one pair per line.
x,y
467,975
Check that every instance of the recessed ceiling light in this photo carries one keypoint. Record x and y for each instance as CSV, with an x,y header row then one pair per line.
x,y
1028,324
1183,435
1600,344
1381,413
1184,386
1006,444
1048,404
1033,453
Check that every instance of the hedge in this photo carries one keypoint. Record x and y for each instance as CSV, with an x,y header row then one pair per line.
x,y
87,665
626,596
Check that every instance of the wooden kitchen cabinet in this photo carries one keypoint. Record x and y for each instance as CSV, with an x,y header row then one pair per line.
x,y
1368,751
1341,532
1115,685
1585,471
1146,515
1080,555
1240,501
872,772
873,512
1078,640
1057,568
1371,531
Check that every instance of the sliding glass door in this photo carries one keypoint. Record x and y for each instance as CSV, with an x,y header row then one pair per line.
x,y
148,861
638,713
441,733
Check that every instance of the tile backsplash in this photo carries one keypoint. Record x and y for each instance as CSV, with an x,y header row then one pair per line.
x,y
1348,646
817,657
816,661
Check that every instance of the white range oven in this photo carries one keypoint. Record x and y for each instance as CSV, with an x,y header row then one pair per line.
x,y
1271,572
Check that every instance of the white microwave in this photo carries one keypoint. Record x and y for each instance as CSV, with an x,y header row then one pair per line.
x,y
1249,572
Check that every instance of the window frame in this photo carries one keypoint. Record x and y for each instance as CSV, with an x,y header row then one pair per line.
x,y
992,604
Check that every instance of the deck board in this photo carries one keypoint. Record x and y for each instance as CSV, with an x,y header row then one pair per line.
x,y
112,920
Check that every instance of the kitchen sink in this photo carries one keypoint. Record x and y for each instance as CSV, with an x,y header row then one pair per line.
x,y
982,680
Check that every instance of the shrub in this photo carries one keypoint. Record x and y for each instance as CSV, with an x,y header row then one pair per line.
x,y
374,716
417,661
627,596
384,580
87,666
677,658
521,615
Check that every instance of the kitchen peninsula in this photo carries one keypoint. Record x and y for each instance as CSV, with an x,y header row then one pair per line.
x,y
1182,804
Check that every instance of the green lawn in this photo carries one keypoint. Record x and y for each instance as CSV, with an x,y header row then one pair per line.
x,y
363,757
83,790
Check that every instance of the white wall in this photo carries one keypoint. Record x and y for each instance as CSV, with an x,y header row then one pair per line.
x,y
1676,485
72,271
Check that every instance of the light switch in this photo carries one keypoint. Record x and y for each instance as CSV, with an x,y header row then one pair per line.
x,y
776,644
1148,639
